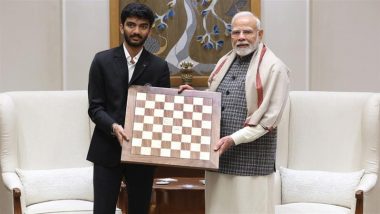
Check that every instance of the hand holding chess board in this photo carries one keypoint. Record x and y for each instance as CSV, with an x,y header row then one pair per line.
x,y
167,128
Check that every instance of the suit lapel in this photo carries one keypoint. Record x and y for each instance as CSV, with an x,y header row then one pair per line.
x,y
140,66
121,61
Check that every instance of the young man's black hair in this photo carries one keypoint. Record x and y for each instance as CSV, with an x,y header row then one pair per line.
x,y
137,10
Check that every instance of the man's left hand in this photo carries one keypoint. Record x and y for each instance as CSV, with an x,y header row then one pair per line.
x,y
223,144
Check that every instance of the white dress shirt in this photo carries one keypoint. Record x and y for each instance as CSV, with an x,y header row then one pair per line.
x,y
131,61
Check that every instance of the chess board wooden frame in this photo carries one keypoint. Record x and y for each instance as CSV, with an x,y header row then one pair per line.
x,y
127,155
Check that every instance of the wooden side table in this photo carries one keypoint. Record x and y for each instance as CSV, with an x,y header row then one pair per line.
x,y
185,196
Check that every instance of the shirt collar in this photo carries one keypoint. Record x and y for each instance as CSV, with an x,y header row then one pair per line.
x,y
246,58
128,57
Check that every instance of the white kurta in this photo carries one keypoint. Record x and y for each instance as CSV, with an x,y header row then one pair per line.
x,y
231,194
226,194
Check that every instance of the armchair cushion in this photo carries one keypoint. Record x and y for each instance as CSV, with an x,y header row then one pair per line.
x,y
64,207
61,206
336,188
56,184
310,208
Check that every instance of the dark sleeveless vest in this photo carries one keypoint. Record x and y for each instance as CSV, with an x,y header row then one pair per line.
x,y
247,159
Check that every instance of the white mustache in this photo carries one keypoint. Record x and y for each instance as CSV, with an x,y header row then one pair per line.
x,y
242,43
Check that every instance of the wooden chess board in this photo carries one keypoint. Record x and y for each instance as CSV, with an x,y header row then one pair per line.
x,y
167,128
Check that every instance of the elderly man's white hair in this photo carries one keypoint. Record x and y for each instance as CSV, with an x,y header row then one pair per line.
x,y
247,13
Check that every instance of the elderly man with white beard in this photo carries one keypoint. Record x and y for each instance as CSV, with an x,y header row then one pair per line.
x,y
254,84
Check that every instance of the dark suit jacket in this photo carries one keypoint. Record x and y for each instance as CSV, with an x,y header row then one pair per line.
x,y
108,93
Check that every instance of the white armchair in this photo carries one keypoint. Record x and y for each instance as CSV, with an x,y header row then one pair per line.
x,y
327,152
44,138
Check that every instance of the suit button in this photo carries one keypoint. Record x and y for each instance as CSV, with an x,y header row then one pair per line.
x,y
223,108
233,77
227,92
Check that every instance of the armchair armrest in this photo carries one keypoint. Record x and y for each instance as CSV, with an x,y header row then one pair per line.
x,y
11,181
13,184
17,201
359,195
367,182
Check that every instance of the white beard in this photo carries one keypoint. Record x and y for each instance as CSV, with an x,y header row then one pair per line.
x,y
245,51
251,48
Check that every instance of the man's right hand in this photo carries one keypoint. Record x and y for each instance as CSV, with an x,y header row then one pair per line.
x,y
184,87
119,133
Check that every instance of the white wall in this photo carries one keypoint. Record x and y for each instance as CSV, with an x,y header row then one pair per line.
x,y
86,32
330,45
345,45
286,33
30,45
49,44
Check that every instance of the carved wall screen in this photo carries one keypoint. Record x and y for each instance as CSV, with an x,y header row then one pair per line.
x,y
187,30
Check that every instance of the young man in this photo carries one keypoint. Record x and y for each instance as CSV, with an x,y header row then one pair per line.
x,y
111,73
254,86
